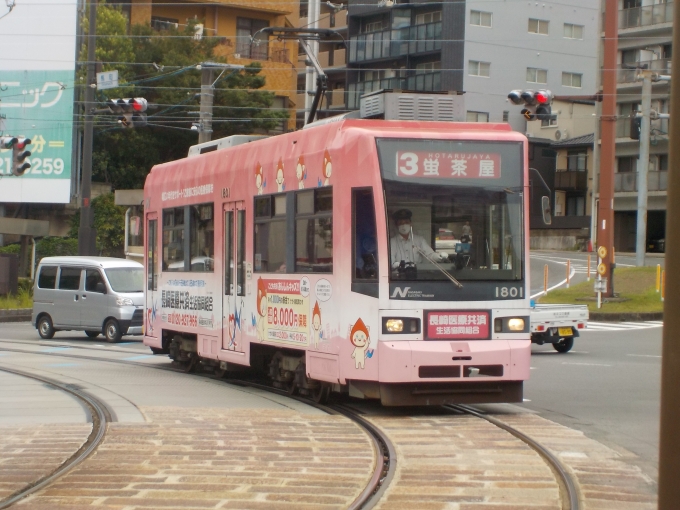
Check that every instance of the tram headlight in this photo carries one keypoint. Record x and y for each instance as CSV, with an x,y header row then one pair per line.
x,y
395,325
516,324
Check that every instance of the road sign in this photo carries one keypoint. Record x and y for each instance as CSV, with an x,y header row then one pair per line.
x,y
601,285
602,269
602,252
107,80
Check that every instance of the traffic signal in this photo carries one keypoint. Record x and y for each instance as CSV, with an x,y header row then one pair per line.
x,y
19,155
537,103
6,142
130,111
635,127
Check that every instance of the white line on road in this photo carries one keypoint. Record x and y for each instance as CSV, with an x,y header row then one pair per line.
x,y
643,356
586,364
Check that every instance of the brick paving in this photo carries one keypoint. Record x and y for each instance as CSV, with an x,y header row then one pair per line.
x,y
208,458
28,454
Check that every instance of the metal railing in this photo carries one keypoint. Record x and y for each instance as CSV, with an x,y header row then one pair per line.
x,y
425,82
396,43
645,16
627,181
662,66
571,180
659,127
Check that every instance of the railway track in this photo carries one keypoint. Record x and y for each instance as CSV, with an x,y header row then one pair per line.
x,y
385,452
97,416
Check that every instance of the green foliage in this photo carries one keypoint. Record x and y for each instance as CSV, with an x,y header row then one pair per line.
x,y
163,70
26,285
11,248
109,221
22,299
56,246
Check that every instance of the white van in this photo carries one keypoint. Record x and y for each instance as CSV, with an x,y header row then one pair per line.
x,y
92,294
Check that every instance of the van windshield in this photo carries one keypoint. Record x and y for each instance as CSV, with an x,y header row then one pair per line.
x,y
126,279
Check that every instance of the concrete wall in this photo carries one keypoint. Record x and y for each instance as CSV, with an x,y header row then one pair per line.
x,y
558,239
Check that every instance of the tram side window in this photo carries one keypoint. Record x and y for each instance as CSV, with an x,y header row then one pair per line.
x,y
314,231
202,235
270,234
173,239
365,236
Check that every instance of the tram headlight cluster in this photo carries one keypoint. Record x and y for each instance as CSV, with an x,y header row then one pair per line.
x,y
511,324
401,325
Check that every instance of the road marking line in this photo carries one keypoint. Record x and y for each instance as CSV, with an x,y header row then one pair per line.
x,y
586,364
643,355
139,357
526,400
54,349
532,368
63,365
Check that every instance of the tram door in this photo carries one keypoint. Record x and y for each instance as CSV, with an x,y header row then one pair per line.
x,y
152,305
234,286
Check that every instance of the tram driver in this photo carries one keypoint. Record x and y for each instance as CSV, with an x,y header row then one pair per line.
x,y
407,248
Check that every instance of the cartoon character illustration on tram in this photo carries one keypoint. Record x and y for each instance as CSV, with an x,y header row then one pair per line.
x,y
361,340
280,185
301,172
326,169
234,325
317,333
260,183
261,320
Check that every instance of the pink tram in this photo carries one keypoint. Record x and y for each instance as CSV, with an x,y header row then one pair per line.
x,y
384,259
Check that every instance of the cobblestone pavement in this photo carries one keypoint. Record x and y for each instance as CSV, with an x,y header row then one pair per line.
x,y
208,458
30,453
465,463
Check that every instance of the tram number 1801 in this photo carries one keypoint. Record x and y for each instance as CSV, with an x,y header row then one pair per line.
x,y
509,292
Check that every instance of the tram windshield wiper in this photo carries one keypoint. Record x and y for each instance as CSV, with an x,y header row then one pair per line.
x,y
446,273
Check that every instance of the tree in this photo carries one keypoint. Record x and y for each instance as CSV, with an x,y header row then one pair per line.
x,y
109,220
161,67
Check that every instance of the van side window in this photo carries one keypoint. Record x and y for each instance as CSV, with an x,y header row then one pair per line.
x,y
69,278
93,279
48,277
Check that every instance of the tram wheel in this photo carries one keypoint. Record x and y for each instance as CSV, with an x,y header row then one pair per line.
x,y
564,345
292,387
220,372
321,393
189,367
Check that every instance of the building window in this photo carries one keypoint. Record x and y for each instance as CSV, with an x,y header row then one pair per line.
x,y
537,75
576,206
374,26
428,67
572,80
551,122
662,162
627,164
428,17
314,231
480,19
476,68
161,23
270,234
477,116
576,161
245,29
538,26
572,31
506,115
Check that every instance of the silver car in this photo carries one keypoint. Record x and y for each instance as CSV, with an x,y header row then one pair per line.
x,y
92,294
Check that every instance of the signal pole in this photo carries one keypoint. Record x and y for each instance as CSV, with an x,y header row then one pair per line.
x,y
313,13
643,168
206,110
87,234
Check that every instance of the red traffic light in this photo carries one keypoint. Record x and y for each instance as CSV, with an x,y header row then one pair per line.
x,y
139,104
543,97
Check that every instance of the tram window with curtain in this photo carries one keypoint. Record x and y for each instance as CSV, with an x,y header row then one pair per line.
x,y
202,235
173,239
270,234
314,231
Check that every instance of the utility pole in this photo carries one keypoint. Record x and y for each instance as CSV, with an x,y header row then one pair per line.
x,y
206,112
87,234
313,14
669,444
643,168
605,216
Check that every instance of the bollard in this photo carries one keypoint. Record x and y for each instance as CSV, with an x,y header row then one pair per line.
x,y
658,277
588,267
663,284
545,279
568,271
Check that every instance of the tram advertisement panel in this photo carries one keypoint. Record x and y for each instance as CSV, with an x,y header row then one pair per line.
x,y
284,312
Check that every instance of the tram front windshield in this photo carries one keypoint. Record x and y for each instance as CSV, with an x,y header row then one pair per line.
x,y
454,209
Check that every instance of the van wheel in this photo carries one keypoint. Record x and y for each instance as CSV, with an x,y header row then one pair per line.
x,y
112,331
92,334
564,345
45,327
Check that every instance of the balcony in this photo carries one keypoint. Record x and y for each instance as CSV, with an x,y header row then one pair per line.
x,y
659,127
646,15
396,43
569,180
627,181
425,82
335,99
661,66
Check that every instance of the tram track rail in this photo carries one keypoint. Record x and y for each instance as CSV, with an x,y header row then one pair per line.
x,y
385,453
99,418
569,492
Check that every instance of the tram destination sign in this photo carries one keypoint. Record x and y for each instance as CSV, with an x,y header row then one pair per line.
x,y
448,165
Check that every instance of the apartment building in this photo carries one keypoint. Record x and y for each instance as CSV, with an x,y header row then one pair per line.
x,y
235,21
645,36
481,48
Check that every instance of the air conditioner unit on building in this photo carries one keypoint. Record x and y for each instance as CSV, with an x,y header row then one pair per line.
x,y
560,134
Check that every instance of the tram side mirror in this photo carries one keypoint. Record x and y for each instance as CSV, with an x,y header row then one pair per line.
x,y
547,212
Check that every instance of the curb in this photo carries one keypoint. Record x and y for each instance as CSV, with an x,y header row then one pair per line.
x,y
626,317
16,315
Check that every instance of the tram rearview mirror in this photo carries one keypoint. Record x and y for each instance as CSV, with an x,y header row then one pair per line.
x,y
547,212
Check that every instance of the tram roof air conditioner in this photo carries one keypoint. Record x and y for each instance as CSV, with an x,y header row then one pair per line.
x,y
396,105
222,143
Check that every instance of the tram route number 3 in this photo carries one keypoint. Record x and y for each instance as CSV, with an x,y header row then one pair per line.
x,y
509,292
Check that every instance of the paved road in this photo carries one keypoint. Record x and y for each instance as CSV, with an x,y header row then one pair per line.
x,y
608,386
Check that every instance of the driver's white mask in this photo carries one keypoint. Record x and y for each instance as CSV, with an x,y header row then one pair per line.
x,y
404,229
